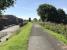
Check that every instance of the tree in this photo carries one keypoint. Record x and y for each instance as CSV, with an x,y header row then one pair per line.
x,y
65,19
20,21
39,20
61,15
29,19
47,12
10,19
35,19
6,3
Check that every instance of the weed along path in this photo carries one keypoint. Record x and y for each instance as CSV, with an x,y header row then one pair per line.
x,y
40,40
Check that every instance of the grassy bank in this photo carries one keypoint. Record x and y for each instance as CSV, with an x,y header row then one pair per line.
x,y
59,31
57,36
19,41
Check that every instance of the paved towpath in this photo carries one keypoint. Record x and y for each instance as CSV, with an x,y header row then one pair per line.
x,y
41,40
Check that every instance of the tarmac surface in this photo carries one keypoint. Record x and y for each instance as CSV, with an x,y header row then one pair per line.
x,y
41,40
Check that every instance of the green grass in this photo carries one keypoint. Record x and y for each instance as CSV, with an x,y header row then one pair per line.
x,y
57,36
19,41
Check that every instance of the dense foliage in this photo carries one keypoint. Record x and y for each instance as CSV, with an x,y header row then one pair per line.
x,y
6,3
59,28
35,20
29,19
61,15
48,12
11,20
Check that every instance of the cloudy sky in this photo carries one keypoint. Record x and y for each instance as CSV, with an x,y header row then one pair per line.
x,y
28,8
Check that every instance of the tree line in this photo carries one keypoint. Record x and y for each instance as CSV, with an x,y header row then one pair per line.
x,y
50,13
7,20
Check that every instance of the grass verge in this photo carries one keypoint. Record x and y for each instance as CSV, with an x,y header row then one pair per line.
x,y
20,41
60,37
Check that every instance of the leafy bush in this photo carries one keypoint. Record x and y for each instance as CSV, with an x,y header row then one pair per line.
x,y
58,28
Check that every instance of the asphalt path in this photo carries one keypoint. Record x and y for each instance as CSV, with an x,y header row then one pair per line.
x,y
41,40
